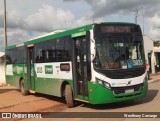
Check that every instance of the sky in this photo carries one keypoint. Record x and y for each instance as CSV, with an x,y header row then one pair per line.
x,y
27,19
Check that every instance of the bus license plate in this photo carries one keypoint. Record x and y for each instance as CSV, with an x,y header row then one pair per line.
x,y
129,90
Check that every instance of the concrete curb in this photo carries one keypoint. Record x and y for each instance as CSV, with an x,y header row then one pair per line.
x,y
152,81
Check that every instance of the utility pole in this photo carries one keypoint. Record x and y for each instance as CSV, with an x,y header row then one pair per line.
x,y
5,25
5,32
143,19
136,15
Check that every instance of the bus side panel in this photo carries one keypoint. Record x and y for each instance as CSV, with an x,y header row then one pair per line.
x,y
12,80
25,78
40,85
54,86
50,86
14,72
49,77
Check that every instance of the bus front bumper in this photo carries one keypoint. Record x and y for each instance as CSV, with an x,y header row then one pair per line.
x,y
101,95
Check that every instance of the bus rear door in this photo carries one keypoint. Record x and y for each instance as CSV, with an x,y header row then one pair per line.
x,y
30,67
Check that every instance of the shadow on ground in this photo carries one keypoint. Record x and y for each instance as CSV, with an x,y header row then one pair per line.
x,y
50,97
6,90
58,108
150,96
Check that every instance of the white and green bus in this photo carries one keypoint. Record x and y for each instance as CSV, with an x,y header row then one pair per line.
x,y
98,63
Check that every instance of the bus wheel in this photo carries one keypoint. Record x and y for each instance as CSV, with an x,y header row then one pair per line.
x,y
69,96
23,91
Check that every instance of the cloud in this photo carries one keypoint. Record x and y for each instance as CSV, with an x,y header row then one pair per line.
x,y
48,19
45,19
155,26
87,20
1,40
103,8
16,35
155,20
14,19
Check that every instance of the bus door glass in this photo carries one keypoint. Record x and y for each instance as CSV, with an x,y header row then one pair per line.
x,y
30,67
81,67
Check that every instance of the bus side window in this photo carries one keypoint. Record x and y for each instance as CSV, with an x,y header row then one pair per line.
x,y
40,52
50,51
9,57
22,51
59,49
68,49
14,56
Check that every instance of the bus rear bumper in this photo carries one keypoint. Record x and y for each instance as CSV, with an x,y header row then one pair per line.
x,y
102,95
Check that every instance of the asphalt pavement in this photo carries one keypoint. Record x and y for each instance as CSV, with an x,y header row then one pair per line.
x,y
154,78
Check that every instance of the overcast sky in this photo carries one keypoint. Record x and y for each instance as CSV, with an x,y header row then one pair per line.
x,y
30,18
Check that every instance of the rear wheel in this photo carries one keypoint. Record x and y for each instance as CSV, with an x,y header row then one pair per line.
x,y
69,96
23,91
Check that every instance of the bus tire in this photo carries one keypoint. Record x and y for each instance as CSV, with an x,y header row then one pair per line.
x,y
23,91
69,96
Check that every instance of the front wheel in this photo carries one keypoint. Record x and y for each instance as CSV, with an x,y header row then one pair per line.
x,y
23,91
69,96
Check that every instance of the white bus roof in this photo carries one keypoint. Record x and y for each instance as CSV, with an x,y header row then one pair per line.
x,y
54,32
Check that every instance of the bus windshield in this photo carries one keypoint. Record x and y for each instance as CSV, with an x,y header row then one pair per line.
x,y
119,52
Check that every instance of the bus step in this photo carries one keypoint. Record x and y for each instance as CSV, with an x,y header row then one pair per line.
x,y
32,91
77,99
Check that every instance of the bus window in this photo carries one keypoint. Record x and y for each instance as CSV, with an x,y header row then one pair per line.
x,y
40,52
51,51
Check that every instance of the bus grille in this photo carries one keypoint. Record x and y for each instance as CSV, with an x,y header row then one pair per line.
x,y
123,73
121,90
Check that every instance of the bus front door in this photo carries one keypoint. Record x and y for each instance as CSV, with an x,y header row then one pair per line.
x,y
81,67
30,67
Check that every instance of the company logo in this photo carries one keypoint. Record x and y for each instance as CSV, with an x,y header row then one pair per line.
x,y
39,70
6,115
129,82
21,115
19,70
48,69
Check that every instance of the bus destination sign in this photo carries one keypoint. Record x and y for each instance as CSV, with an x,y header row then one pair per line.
x,y
117,29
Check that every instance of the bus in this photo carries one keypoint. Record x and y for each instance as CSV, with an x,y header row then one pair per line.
x,y
97,63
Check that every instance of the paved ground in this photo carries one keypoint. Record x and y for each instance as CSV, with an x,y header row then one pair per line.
x,y
11,100
147,104
154,77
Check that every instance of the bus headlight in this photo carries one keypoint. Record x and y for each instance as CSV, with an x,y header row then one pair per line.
x,y
99,81
107,85
103,83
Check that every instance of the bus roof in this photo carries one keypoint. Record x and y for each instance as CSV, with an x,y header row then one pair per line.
x,y
57,34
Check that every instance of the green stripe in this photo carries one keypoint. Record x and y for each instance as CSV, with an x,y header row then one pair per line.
x,y
79,34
